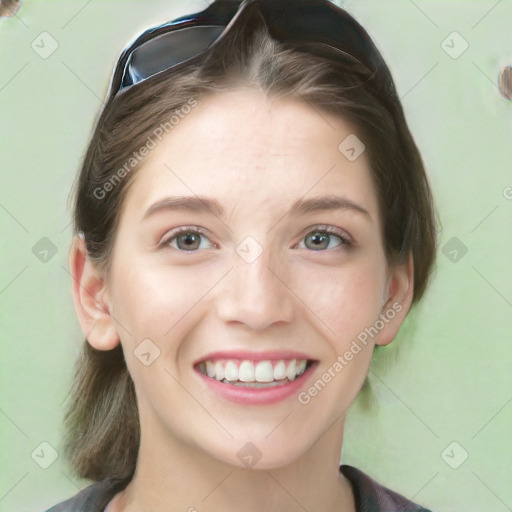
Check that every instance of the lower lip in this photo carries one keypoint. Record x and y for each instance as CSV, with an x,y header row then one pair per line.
x,y
257,396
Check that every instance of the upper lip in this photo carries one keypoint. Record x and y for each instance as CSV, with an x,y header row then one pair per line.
x,y
249,355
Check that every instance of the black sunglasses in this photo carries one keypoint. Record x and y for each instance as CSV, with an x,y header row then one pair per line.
x,y
316,26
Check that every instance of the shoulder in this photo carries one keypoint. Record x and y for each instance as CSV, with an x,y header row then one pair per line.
x,y
370,496
93,498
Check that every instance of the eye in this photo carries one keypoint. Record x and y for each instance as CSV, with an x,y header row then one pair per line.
x,y
325,237
187,239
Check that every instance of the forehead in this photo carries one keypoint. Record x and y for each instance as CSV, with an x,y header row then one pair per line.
x,y
241,145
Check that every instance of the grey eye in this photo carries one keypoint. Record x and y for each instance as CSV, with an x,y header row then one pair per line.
x,y
320,240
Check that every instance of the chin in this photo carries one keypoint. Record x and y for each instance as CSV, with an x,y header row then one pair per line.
x,y
258,454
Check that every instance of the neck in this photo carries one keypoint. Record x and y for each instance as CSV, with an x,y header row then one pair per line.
x,y
182,478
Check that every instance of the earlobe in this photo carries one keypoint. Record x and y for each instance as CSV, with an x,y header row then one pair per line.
x,y
91,299
400,292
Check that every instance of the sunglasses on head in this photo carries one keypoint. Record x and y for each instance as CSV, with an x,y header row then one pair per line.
x,y
315,26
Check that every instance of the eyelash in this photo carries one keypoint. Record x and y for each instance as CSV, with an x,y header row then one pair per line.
x,y
345,240
178,231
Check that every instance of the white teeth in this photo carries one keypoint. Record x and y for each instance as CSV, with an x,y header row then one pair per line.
x,y
264,372
290,370
250,373
219,371
231,371
280,370
210,369
246,372
254,384
301,366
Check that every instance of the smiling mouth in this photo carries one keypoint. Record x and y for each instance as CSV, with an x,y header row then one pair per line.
x,y
254,374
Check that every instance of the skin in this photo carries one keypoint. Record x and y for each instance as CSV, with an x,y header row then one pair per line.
x,y
256,156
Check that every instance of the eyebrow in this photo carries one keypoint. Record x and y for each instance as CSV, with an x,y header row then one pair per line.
x,y
202,204
190,203
324,203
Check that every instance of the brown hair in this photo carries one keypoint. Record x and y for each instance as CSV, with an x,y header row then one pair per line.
x,y
102,417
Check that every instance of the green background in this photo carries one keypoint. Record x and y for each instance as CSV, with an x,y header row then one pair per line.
x,y
445,379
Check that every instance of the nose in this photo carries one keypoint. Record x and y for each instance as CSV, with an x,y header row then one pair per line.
x,y
256,293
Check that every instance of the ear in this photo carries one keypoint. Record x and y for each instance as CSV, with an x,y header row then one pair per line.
x,y
91,299
397,301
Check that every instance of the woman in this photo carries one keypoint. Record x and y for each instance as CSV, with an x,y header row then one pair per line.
x,y
252,219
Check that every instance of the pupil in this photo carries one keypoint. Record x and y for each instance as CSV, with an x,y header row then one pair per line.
x,y
189,239
318,239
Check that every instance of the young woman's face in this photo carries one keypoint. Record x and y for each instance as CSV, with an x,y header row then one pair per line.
x,y
282,260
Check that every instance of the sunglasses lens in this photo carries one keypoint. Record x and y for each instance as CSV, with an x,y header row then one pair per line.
x,y
168,50
315,27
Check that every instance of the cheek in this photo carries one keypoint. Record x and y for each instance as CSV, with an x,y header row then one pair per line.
x,y
345,300
151,303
